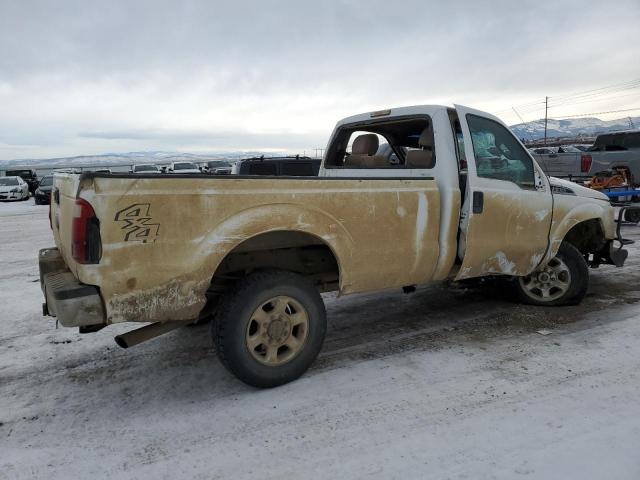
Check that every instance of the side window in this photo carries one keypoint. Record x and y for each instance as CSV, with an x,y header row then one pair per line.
x,y
297,169
632,140
403,142
498,154
259,168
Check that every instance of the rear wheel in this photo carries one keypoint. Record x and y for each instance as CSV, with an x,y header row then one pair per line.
x,y
270,328
562,281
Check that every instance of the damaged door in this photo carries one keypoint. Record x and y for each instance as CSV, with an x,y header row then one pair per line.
x,y
507,213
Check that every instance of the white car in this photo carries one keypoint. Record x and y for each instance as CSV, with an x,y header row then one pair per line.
x,y
145,168
13,188
184,167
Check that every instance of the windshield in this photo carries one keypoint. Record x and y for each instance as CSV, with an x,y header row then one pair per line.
x,y
184,166
218,163
146,168
46,181
8,182
19,173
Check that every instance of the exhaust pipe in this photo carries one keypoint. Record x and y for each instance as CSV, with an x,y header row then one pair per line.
x,y
142,334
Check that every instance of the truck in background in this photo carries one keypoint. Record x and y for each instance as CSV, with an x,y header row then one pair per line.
x,y
609,152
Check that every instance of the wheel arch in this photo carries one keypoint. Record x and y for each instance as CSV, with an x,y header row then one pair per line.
x,y
276,236
584,226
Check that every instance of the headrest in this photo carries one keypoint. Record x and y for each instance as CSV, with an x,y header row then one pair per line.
x,y
420,159
366,144
426,137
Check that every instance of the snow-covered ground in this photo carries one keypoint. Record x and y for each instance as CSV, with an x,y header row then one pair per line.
x,y
444,383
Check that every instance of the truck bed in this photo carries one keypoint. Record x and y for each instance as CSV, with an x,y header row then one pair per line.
x,y
163,237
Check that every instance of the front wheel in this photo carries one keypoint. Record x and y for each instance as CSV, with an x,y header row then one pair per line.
x,y
270,328
562,281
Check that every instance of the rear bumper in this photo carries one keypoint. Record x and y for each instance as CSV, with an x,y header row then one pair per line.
x,y
73,303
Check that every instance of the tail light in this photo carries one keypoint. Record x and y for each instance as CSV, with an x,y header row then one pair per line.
x,y
50,210
585,163
86,245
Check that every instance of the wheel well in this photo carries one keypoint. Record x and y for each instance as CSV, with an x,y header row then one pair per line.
x,y
587,236
292,251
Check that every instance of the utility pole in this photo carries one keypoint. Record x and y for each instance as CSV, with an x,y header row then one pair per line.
x,y
631,125
546,110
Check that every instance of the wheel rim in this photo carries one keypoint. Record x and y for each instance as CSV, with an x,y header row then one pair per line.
x,y
547,283
277,331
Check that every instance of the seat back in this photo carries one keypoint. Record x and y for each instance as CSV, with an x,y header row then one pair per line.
x,y
363,152
423,157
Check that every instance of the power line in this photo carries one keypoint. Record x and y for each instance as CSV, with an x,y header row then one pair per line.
x,y
599,113
596,96
605,99
617,85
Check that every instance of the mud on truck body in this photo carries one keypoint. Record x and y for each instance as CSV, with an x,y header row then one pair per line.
x,y
454,196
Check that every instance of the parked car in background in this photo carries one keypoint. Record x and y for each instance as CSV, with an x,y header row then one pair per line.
x,y
218,167
145,168
43,192
27,174
278,166
13,188
184,167
102,170
610,151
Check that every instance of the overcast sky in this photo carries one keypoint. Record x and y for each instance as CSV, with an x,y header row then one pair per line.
x,y
115,76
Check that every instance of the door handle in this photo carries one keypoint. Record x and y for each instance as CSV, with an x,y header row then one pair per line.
x,y
478,202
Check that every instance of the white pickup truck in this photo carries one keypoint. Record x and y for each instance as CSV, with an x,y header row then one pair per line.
x,y
454,196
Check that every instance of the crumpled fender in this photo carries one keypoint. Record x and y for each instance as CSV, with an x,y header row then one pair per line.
x,y
564,221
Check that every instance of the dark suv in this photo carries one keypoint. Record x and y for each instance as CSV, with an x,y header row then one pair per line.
x,y
279,166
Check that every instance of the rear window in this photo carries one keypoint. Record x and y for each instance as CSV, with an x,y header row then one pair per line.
x,y
218,164
616,142
184,166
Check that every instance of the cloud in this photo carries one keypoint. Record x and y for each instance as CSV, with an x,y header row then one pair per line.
x,y
77,77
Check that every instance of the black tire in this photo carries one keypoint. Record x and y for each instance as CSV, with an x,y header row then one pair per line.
x,y
632,216
233,317
578,281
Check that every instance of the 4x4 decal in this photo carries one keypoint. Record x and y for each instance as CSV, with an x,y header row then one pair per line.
x,y
137,223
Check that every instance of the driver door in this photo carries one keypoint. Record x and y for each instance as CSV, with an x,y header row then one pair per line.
x,y
507,213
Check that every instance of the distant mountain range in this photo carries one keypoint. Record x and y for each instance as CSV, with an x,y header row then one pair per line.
x,y
126,159
576,127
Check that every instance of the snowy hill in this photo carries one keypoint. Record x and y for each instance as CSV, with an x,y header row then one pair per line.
x,y
571,127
